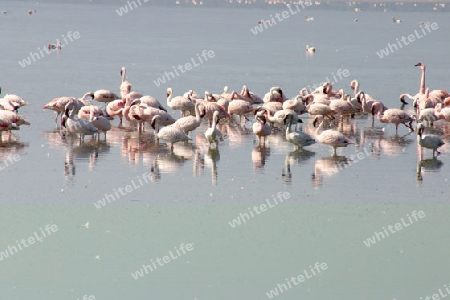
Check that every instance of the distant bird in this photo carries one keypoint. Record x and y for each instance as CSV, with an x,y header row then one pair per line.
x,y
428,141
310,49
396,20
309,19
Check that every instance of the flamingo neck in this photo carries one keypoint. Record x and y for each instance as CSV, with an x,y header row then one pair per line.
x,y
422,81
123,74
169,97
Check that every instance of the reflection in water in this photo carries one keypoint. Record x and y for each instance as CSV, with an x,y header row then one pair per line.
x,y
142,148
296,157
88,150
327,167
428,166
259,156
10,148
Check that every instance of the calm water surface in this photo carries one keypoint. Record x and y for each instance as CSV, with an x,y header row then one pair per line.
x,y
193,193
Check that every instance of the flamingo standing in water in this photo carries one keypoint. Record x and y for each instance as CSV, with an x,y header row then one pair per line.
x,y
261,128
115,108
429,141
212,134
75,125
171,134
396,116
190,123
58,105
331,137
125,86
179,103
299,139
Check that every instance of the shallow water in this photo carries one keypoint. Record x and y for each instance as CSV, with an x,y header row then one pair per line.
x,y
192,194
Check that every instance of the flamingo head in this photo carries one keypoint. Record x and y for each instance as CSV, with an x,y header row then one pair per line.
x,y
402,99
169,92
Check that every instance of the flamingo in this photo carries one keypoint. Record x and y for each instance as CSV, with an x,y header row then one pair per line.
x,y
179,103
429,141
246,95
439,95
240,108
13,118
279,118
342,107
115,108
442,113
299,139
331,137
75,125
12,102
395,116
209,108
105,96
85,112
275,94
151,101
99,121
296,104
171,134
321,110
58,105
212,134
125,86
261,128
190,123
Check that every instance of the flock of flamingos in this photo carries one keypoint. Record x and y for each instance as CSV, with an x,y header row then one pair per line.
x,y
271,113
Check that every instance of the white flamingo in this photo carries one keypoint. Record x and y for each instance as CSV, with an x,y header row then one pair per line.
x,y
190,123
179,103
100,122
428,141
125,86
212,134
75,125
299,139
12,102
171,134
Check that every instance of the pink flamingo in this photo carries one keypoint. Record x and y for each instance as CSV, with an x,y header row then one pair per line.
x,y
330,137
261,128
396,116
